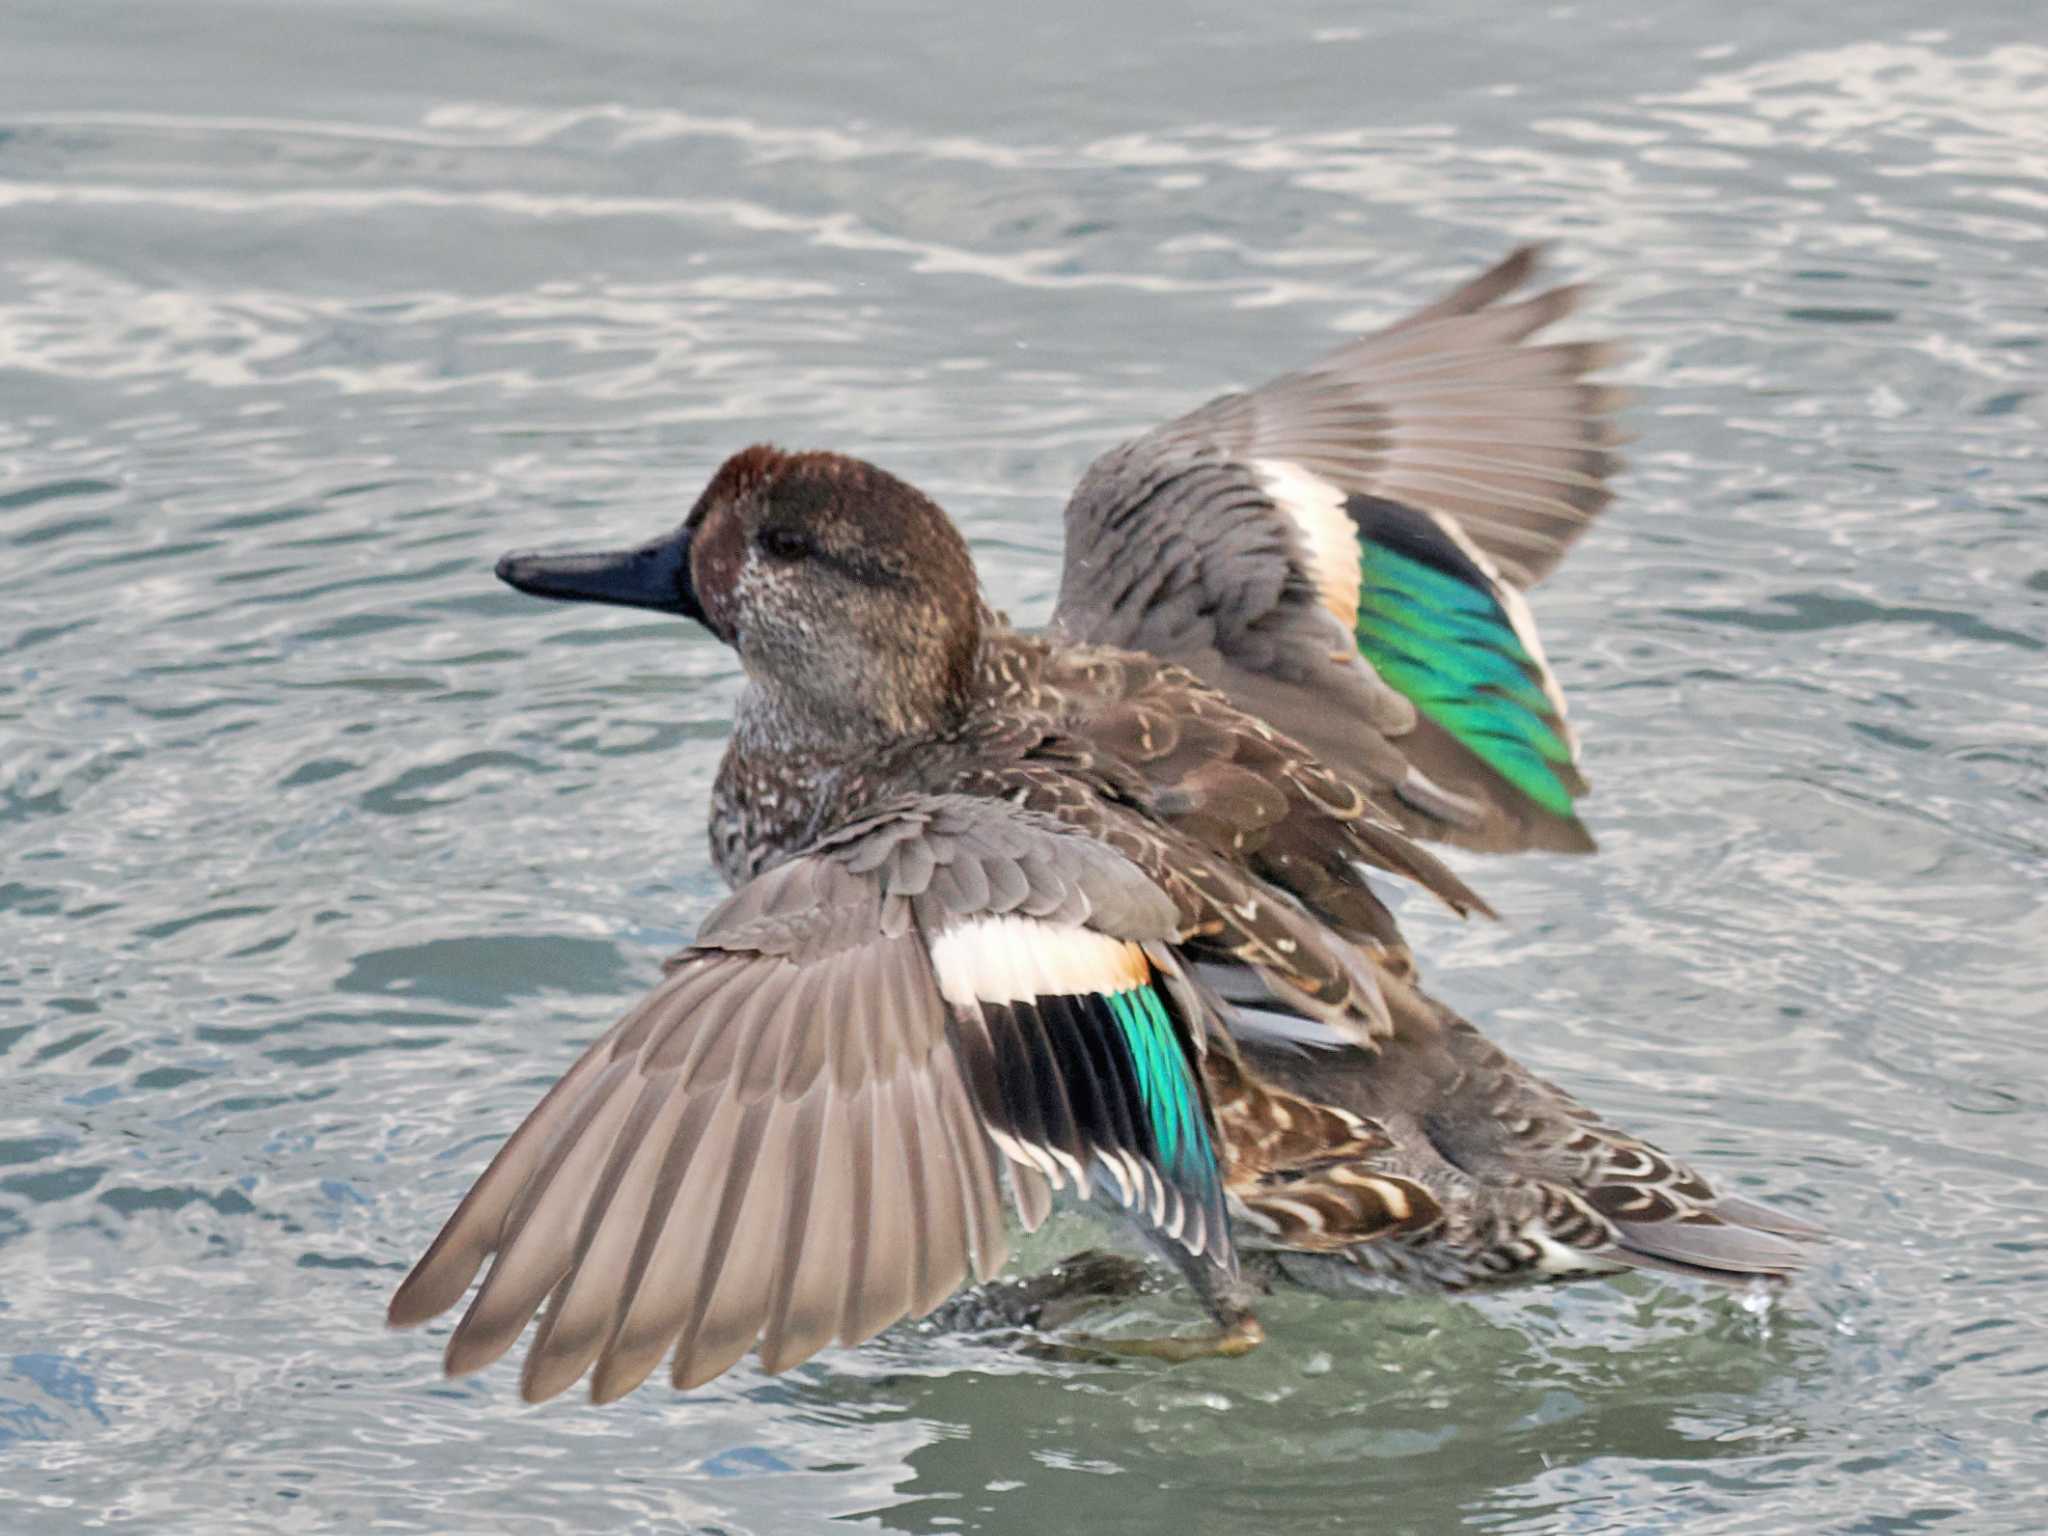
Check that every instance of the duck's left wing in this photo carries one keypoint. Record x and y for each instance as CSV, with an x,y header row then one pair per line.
x,y
800,1136
1344,552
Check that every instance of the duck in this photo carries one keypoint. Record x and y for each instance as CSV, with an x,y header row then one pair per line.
x,y
1101,911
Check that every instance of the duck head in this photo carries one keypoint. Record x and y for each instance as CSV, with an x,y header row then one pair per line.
x,y
848,594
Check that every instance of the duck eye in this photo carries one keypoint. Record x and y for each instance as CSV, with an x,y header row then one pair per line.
x,y
784,543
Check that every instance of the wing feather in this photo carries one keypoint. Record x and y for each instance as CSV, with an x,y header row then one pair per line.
x,y
584,1305
787,1143
534,1246
659,1289
880,1284
1226,541
808,1293
470,1236
738,1257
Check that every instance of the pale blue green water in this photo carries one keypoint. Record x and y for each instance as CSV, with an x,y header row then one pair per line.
x,y
320,853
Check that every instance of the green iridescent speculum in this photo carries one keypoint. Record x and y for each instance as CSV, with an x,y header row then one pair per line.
x,y
1171,1108
1447,646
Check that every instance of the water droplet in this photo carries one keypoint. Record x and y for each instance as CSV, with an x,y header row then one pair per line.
x,y
1758,1300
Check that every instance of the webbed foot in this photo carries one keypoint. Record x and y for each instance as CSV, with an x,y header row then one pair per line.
x,y
1239,1336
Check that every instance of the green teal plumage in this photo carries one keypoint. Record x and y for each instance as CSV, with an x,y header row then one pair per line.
x,y
1450,647
1180,1130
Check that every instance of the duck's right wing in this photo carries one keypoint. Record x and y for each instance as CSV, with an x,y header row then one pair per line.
x,y
800,1135
1344,551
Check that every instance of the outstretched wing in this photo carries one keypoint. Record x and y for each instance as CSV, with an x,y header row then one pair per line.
x,y
799,1136
1344,551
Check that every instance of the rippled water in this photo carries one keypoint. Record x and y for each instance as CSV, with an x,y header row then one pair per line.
x,y
320,853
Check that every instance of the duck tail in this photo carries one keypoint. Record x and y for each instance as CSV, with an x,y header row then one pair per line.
x,y
1730,1241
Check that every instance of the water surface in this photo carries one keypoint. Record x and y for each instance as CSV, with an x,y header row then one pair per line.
x,y
321,854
